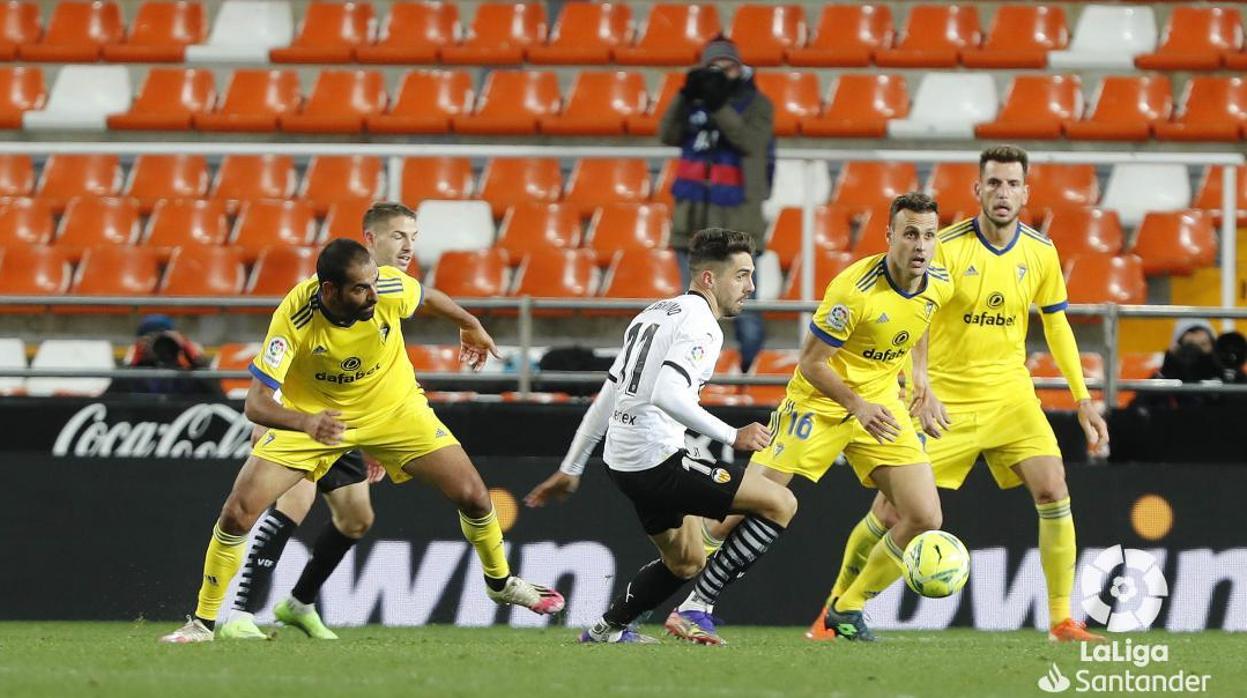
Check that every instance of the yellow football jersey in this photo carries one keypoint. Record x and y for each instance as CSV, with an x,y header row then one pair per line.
x,y
874,324
360,369
978,342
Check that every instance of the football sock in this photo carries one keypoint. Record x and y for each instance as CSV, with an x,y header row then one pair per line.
x,y
857,549
1057,553
266,548
486,536
650,586
708,541
883,567
744,545
221,563
327,552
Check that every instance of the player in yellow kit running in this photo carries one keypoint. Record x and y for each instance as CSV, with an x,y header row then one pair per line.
x,y
977,368
335,349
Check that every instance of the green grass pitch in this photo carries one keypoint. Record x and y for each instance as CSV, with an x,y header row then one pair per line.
x,y
124,659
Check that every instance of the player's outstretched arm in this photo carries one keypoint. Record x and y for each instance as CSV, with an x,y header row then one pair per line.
x,y
262,408
592,428
1064,349
475,344
876,419
924,404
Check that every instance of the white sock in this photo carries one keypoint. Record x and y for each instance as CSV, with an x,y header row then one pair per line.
x,y
603,631
242,614
299,607
696,603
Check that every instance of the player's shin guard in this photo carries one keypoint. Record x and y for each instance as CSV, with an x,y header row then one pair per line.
x,y
1057,552
857,549
650,586
221,563
883,567
747,542
330,546
266,548
486,536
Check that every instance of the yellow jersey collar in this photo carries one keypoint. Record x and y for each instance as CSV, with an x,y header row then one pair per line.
x,y
998,251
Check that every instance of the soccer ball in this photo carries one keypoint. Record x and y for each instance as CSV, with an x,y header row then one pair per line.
x,y
937,564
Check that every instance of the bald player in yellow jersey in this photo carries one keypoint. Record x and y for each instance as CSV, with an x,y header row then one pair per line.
x,y
335,350
977,369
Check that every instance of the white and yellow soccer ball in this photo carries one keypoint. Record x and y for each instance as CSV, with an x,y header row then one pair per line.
x,y
937,564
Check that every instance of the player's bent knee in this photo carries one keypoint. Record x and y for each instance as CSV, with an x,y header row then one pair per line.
x,y
236,519
785,507
355,526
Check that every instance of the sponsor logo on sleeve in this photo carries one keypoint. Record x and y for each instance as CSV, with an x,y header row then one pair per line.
x,y
275,351
838,317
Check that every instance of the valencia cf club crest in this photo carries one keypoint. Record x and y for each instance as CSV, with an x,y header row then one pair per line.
x,y
1021,272
721,476
385,332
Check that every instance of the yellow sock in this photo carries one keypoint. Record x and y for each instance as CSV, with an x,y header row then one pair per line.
x,y
857,549
486,536
221,563
1057,552
882,568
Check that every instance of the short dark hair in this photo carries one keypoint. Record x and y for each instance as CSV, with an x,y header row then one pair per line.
x,y
1004,153
383,211
711,245
338,256
914,201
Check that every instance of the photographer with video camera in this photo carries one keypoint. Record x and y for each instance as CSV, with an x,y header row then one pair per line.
x,y
724,127
158,345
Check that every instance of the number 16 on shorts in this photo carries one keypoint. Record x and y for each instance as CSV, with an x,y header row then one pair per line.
x,y
787,421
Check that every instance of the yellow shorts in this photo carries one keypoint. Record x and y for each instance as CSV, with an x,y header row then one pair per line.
x,y
807,443
1006,433
411,431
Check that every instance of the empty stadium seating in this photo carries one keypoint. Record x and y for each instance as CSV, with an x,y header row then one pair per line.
x,y
771,362
178,222
426,102
764,33
1211,192
330,33
268,224
82,98
116,270
1036,107
73,354
91,220
833,227
1108,37
1126,108
599,104
586,33
452,225
340,102
597,182
75,33
160,32
557,273
473,273
1042,365
952,185
934,37
345,219
827,264
249,177
436,178
65,177
499,34
1175,242
168,101
673,35
511,103
279,268
413,32
1213,109
207,271
527,227
641,273
509,181
1081,231
847,36
794,96
36,270
1020,36
19,24
1062,186
253,102
860,106
618,227
25,222
156,177
433,358
1196,38
17,175
1135,189
789,186
235,356
863,186
948,105
647,124
21,90
337,178
244,31
1099,278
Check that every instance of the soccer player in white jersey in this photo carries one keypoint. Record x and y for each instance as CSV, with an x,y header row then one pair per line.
x,y
648,401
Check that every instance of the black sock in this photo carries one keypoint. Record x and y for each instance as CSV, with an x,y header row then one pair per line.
x,y
327,552
743,547
496,583
650,586
266,547
211,624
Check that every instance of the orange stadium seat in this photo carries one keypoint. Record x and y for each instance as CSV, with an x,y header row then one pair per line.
x,y
833,226
1136,366
413,32
1211,192
332,178
426,102
25,221
1035,108
531,226
827,264
1215,109
1125,110
511,103
557,273
345,219
177,222
863,186
253,102
19,24
585,34
666,179
500,33
33,270
270,223
204,271
952,185
728,364
1062,186
847,36
250,177
934,37
76,32
794,96
156,177
17,175
599,103
616,227
1104,279
1042,365
235,356
117,270
859,106
1196,38
436,178
1176,242
339,103
872,233
96,220
647,124
1084,231
432,358
330,33
279,267
472,273
509,181
765,33
1236,60
168,101
67,176
1020,37
21,90
597,182
160,33
640,273
674,35
771,362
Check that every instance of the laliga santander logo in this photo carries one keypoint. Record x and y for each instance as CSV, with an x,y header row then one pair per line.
x,y
1137,589
1054,681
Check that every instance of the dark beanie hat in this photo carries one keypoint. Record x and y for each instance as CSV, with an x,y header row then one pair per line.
x,y
720,47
